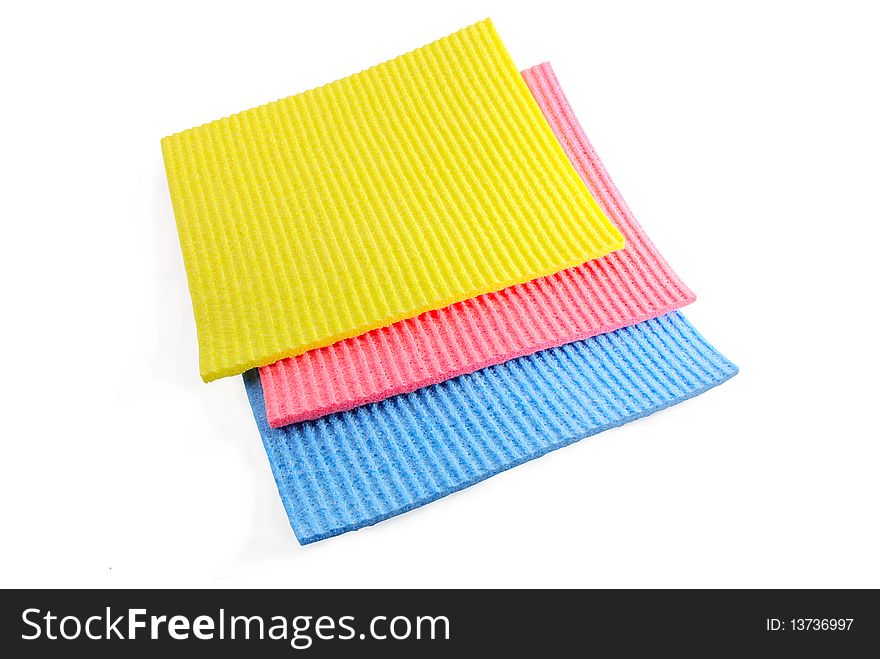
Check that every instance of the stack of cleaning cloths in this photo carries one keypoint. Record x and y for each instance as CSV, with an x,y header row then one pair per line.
x,y
426,276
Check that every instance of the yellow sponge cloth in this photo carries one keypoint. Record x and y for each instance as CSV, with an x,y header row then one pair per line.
x,y
424,181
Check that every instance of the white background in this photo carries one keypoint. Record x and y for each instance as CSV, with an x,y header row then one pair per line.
x,y
746,140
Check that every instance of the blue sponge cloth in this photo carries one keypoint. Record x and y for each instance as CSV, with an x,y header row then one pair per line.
x,y
355,468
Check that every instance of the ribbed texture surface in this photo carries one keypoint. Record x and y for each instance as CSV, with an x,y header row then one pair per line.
x,y
418,183
352,469
621,289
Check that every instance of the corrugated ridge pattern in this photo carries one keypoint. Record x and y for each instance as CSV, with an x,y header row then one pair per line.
x,y
412,185
355,468
620,289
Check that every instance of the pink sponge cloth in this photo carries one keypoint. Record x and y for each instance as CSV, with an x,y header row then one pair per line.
x,y
618,290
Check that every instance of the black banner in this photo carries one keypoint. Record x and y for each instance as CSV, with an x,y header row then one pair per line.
x,y
290,623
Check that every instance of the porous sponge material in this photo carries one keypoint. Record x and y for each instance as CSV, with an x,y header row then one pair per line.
x,y
426,180
352,469
620,289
